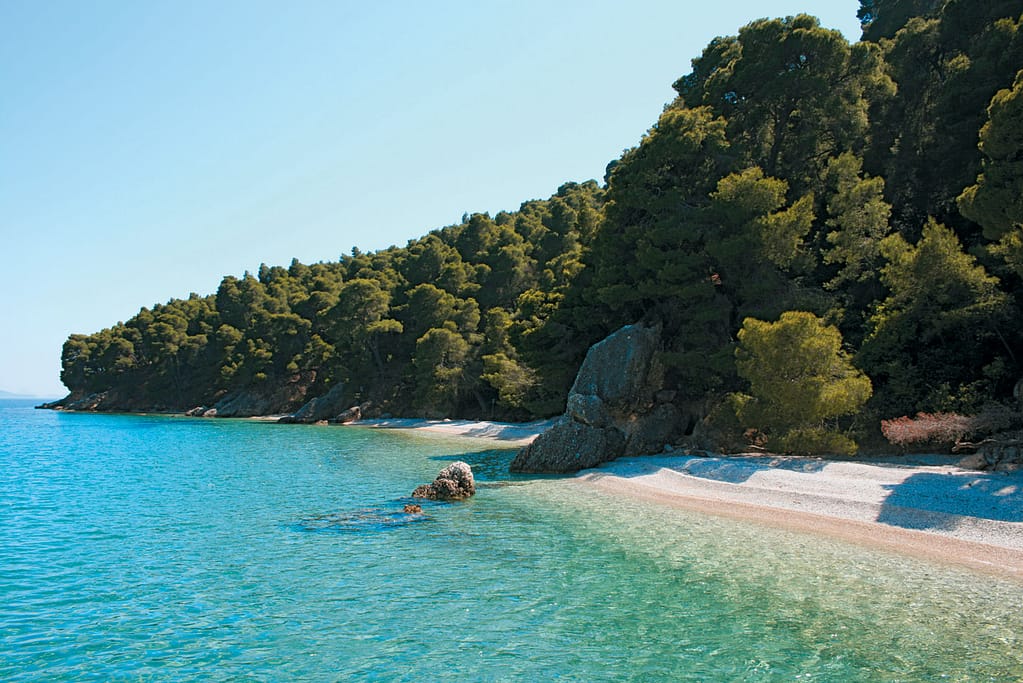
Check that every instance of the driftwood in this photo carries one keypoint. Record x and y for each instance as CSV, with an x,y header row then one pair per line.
x,y
961,446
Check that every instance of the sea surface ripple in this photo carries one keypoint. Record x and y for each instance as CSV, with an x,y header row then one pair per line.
x,y
157,548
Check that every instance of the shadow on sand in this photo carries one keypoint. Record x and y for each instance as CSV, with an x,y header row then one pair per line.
x,y
731,469
932,500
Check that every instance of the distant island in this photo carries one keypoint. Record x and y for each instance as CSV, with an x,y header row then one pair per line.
x,y
8,394
823,241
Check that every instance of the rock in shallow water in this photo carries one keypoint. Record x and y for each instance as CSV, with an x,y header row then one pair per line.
x,y
455,482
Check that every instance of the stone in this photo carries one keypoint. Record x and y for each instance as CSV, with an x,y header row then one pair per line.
x,y
353,414
617,406
648,432
975,461
413,509
197,411
992,454
243,404
320,408
455,482
617,368
569,446
588,409
281,398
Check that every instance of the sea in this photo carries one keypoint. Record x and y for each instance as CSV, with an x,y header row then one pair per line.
x,y
160,548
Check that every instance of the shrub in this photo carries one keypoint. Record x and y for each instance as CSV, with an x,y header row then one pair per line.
x,y
942,431
817,441
800,382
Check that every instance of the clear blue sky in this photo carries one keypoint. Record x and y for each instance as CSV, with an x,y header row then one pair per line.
x,y
149,148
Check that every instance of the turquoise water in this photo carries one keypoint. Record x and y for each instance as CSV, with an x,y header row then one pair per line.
x,y
172,549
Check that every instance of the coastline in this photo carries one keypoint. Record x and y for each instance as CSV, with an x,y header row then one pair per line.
x,y
937,512
510,433
921,506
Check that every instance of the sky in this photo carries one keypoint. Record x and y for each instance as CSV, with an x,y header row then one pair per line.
x,y
147,149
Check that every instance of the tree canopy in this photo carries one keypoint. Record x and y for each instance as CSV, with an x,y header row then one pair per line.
x,y
847,216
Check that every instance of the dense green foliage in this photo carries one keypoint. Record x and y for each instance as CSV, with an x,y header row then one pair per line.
x,y
439,327
800,380
875,187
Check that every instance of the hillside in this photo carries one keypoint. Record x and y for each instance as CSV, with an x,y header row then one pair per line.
x,y
873,188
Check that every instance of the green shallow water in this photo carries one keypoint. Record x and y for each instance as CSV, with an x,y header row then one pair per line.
x,y
156,548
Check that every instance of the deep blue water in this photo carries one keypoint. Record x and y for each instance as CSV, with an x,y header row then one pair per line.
x,y
172,549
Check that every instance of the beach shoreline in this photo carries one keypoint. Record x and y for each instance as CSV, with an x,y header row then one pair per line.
x,y
941,512
922,506
507,433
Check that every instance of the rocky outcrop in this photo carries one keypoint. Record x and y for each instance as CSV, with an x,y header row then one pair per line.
x,y
268,399
75,402
617,406
282,398
244,404
102,401
569,446
455,482
350,415
1001,452
320,408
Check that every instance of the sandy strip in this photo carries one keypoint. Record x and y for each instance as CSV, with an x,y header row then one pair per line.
x,y
509,433
926,508
938,512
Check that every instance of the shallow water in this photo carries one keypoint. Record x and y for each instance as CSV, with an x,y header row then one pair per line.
x,y
159,548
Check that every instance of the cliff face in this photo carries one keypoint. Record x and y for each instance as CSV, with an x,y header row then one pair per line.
x,y
617,406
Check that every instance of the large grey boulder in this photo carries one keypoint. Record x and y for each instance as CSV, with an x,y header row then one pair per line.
x,y
648,432
617,369
455,482
569,446
617,406
349,415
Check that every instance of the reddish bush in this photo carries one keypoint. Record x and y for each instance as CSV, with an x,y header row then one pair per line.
x,y
935,430
944,430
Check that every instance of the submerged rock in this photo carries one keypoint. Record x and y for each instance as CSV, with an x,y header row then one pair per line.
x,y
361,521
455,482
